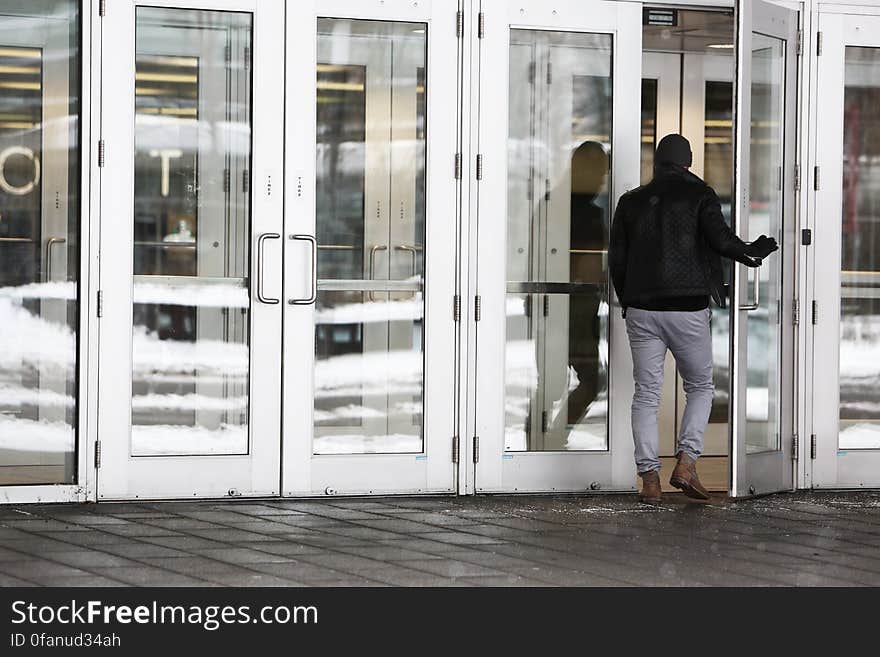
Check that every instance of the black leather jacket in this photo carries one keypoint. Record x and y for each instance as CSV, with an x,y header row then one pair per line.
x,y
667,239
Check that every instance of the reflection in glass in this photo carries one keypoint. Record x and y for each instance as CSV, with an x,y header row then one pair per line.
x,y
191,232
860,253
370,224
559,145
765,217
649,128
39,240
718,174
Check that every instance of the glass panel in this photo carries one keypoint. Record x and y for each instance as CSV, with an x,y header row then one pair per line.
x,y
370,226
860,252
765,217
649,128
718,174
39,240
191,232
559,145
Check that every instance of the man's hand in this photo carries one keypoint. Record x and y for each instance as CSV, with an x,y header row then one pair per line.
x,y
762,247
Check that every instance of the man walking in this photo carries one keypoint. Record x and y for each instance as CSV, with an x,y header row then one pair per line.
x,y
665,249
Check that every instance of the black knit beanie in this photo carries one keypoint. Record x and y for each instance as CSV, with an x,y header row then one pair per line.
x,y
674,149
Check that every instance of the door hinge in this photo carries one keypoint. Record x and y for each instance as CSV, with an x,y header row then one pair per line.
x,y
458,166
481,25
100,152
456,308
816,177
815,312
806,236
100,303
97,454
459,24
245,181
479,166
819,44
478,302
102,7
796,312
532,67
476,449
549,73
797,177
813,446
455,449
547,189
546,305
544,421
227,176
794,446
247,58
800,42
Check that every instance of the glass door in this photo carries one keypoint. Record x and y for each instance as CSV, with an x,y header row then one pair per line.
x,y
370,238
559,142
846,412
39,241
191,218
763,328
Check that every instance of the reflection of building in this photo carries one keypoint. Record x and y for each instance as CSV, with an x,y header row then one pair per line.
x,y
382,266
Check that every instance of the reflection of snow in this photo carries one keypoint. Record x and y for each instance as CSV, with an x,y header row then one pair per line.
x,y
158,439
150,354
375,311
354,444
21,396
23,435
586,437
54,290
348,412
219,295
191,402
375,373
863,435
757,400
31,341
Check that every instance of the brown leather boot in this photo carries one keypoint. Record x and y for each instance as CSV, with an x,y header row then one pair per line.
x,y
684,477
650,487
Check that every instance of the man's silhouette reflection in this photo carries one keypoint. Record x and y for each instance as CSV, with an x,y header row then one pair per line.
x,y
589,244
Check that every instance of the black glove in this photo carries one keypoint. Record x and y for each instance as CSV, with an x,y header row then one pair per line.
x,y
762,247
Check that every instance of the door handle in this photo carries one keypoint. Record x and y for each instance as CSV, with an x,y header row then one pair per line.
x,y
52,241
260,241
413,251
373,249
313,295
756,292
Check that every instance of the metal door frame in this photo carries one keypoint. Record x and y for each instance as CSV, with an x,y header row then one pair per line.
x,y
254,473
434,469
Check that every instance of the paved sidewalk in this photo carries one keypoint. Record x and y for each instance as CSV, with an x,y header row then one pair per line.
x,y
605,540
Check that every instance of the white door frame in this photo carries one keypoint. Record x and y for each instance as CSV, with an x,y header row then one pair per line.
x,y
432,470
769,471
497,470
86,367
834,467
254,473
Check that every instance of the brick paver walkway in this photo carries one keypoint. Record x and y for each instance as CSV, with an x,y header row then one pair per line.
x,y
608,540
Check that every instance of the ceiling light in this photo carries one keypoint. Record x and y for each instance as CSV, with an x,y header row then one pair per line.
x,y
721,46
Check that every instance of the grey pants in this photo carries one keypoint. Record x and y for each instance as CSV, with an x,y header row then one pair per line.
x,y
686,334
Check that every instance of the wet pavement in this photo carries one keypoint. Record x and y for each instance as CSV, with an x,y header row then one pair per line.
x,y
801,539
